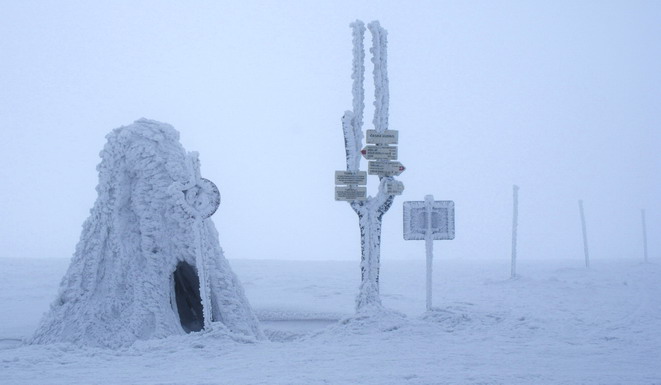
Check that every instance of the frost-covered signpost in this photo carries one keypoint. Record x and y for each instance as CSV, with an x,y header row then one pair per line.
x,y
429,220
370,209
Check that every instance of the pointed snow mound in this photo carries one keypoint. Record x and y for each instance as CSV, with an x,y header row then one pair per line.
x,y
147,264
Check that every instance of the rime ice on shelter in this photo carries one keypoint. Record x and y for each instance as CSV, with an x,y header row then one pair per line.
x,y
143,252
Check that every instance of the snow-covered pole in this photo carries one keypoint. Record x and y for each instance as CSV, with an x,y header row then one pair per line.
x,y
201,262
585,234
352,121
429,246
515,223
381,86
642,214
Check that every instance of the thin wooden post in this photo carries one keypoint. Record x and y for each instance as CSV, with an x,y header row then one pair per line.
x,y
429,245
642,212
515,223
585,234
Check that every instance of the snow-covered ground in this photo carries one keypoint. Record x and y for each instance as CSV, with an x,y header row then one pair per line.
x,y
556,324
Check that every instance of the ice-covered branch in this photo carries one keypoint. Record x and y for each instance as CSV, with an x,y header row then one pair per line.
x,y
358,74
380,60
352,142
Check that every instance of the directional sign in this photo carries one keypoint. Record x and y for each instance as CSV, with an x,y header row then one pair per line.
x,y
385,168
350,193
385,137
415,219
379,152
351,177
394,187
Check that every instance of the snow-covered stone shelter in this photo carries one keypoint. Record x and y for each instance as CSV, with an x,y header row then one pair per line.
x,y
148,263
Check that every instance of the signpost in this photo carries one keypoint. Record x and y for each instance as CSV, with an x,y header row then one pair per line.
x,y
380,152
429,220
385,168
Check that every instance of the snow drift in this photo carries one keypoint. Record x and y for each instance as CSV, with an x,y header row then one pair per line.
x,y
148,263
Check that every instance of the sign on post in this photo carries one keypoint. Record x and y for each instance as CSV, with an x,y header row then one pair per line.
x,y
394,187
379,152
351,177
385,168
429,220
415,220
350,193
385,137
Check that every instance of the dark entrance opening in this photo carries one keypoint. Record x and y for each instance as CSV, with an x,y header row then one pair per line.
x,y
187,295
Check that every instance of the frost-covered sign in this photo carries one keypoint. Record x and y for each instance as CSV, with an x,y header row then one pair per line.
x,y
350,177
385,137
385,168
442,220
350,193
394,187
203,198
429,220
379,152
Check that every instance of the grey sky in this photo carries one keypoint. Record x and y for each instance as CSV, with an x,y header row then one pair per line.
x,y
559,97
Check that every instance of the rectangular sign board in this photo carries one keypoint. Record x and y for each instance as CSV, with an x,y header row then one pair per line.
x,y
350,193
385,137
394,187
385,168
379,152
415,220
351,177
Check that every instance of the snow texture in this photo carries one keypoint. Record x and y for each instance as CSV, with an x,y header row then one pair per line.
x,y
119,286
557,323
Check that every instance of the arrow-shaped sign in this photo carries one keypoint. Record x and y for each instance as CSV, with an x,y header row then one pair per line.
x,y
379,152
385,168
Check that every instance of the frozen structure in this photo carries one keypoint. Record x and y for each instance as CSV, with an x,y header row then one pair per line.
x,y
148,263
371,210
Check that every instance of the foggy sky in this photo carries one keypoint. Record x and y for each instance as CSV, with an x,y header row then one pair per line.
x,y
560,97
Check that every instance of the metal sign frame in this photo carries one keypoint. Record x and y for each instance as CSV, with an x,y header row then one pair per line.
x,y
415,220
